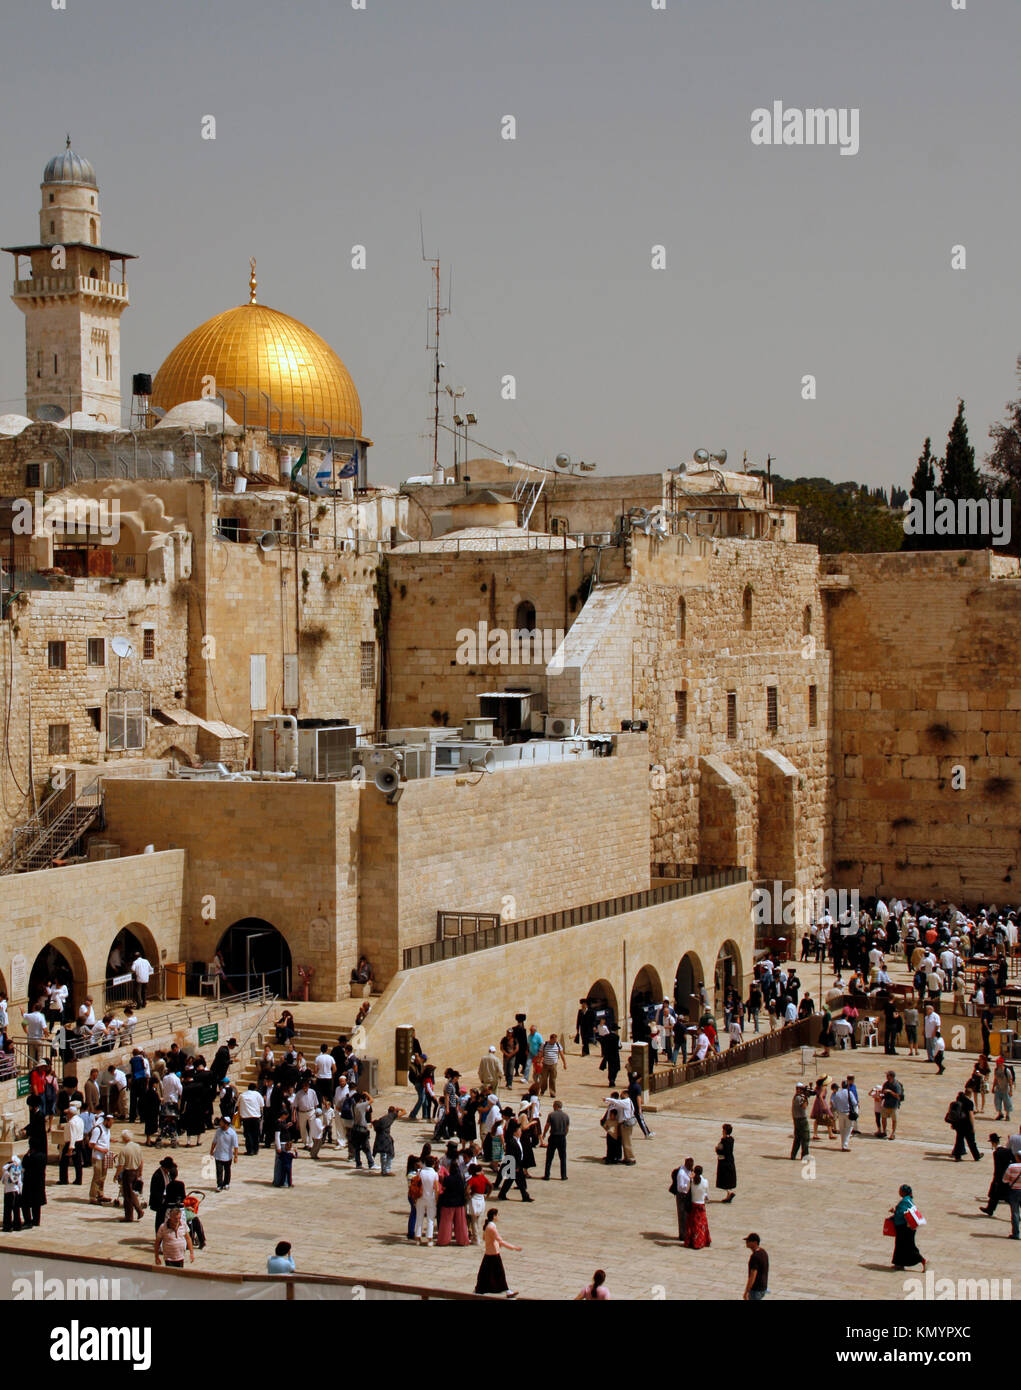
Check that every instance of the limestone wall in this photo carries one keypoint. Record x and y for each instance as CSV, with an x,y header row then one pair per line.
x,y
83,907
926,651
458,1007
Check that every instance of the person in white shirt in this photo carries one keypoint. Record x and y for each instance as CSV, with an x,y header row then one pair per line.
x,y
790,1013
325,1074
86,1013
681,1185
3,1012
250,1107
99,1143
74,1136
702,1045
172,1088
37,1031
56,1001
116,1084
425,1206
142,972
622,1115
316,1130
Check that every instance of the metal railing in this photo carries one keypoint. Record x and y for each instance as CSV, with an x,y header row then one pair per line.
x,y
61,820
758,1047
504,933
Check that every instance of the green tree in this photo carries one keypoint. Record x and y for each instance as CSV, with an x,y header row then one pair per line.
x,y
1004,460
959,476
923,481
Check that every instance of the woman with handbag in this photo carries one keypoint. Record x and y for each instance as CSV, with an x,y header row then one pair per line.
x,y
697,1234
905,1220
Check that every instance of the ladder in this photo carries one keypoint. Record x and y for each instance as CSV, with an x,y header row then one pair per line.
x,y
526,494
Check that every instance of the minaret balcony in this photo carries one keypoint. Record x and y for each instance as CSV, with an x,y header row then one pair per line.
x,y
43,286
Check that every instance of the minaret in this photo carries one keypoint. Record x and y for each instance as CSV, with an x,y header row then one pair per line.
x,y
72,304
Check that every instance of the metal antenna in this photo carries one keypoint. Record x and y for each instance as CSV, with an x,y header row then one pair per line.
x,y
436,312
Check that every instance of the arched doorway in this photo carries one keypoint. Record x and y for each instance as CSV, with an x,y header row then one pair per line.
x,y
130,941
253,948
603,999
646,993
728,972
687,982
59,960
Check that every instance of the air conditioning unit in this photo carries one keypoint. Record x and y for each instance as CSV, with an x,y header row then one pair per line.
x,y
374,758
558,728
326,752
477,728
419,761
458,757
537,722
601,538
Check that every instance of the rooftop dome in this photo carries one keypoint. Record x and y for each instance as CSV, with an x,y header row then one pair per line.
x,y
261,352
13,424
68,167
196,415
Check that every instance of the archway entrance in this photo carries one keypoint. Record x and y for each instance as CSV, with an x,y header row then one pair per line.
x,y
62,962
603,999
134,938
689,977
646,993
728,972
251,949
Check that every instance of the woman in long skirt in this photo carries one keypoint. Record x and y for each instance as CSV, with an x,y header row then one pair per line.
x,y
697,1236
906,1253
726,1170
492,1277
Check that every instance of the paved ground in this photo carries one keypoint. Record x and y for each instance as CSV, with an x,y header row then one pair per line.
x,y
821,1222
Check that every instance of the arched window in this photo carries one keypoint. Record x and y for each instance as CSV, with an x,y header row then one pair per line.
x,y
92,232
806,621
746,607
524,616
682,619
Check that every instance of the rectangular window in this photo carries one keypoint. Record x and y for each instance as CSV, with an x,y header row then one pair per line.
x,y
59,740
732,714
95,713
771,722
558,526
56,656
813,706
125,719
681,712
97,651
148,644
31,475
368,665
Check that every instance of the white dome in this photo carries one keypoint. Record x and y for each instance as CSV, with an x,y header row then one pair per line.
x,y
80,421
13,424
195,415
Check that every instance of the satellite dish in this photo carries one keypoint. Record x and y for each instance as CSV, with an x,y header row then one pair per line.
x,y
509,459
51,413
701,456
721,457
563,460
267,540
121,646
387,780
682,467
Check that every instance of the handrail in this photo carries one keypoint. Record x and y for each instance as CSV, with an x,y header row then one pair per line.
x,y
257,1024
58,810
450,947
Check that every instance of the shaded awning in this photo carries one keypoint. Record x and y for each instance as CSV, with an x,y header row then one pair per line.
x,y
184,717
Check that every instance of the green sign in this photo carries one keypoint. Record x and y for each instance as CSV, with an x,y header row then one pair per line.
x,y
209,1033
21,1086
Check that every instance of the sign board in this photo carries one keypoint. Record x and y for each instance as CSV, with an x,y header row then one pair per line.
x,y
208,1033
121,979
21,1086
19,977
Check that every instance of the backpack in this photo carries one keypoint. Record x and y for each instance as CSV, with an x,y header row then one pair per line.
x,y
415,1187
673,1181
953,1115
347,1108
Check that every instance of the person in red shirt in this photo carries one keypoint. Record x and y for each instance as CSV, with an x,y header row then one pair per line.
x,y
477,1189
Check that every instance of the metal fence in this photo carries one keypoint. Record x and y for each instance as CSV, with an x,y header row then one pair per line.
x,y
449,947
759,1046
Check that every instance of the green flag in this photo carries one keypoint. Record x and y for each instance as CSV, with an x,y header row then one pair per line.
x,y
300,464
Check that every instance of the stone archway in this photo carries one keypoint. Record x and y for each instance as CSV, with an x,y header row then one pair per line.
x,y
603,998
647,989
60,960
690,976
252,948
728,972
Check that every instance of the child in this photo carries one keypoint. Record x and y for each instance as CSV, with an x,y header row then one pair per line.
x,y
478,1188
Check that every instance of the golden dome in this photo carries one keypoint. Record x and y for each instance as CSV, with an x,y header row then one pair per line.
x,y
254,349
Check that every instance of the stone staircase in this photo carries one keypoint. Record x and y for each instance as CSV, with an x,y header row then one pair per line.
x,y
324,1023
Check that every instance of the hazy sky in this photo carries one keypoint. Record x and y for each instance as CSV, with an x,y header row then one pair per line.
x,y
337,127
